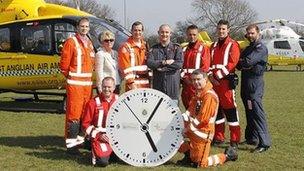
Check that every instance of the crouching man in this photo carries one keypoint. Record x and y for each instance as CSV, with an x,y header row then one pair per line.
x,y
94,122
199,126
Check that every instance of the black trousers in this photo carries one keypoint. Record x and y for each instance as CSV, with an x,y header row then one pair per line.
x,y
256,129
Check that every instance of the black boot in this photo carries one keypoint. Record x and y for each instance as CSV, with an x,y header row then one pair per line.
x,y
186,161
231,154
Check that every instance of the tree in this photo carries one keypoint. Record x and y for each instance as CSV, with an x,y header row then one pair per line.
x,y
89,6
237,12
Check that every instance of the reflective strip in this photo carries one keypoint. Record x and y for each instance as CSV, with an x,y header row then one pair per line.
x,y
98,130
103,147
136,68
93,159
222,67
100,112
219,74
226,54
199,133
141,81
81,83
79,54
198,57
72,142
220,121
194,120
89,129
129,76
74,74
212,119
212,52
188,71
213,160
186,116
233,123
132,54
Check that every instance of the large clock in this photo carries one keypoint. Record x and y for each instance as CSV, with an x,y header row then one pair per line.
x,y
145,127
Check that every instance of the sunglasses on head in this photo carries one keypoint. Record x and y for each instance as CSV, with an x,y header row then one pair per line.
x,y
108,40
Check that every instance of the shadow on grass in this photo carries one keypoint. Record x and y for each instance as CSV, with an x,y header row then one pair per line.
x,y
45,147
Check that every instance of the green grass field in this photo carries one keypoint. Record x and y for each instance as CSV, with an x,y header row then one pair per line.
x,y
33,141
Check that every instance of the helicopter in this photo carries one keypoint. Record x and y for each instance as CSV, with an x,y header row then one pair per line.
x,y
31,35
285,46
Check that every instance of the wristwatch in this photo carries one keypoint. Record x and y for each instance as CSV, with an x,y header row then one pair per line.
x,y
145,127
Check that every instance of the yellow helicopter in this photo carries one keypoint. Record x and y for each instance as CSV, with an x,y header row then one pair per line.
x,y
31,34
285,47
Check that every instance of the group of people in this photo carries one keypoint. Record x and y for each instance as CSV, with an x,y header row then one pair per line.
x,y
207,76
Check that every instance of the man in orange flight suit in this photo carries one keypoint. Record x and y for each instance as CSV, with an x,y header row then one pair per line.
x,y
196,55
132,59
199,126
225,54
94,122
77,65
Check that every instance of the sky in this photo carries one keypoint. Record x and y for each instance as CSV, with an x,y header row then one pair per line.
x,y
153,13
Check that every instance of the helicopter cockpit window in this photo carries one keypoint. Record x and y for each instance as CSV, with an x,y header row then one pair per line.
x,y
62,32
302,45
36,39
5,44
282,45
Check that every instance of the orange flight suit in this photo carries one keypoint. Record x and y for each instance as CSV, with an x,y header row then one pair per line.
x,y
225,55
132,64
76,64
199,128
196,55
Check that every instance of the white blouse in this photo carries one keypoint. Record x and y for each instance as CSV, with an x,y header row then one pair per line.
x,y
106,65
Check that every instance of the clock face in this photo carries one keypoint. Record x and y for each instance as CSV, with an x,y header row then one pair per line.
x,y
145,127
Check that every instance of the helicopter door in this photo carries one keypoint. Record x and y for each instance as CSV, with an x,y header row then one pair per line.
x,y
39,65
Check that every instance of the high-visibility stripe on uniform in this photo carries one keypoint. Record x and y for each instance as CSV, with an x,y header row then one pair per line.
x,y
200,134
130,76
81,83
89,129
80,74
233,123
132,54
220,121
198,57
100,112
79,54
226,54
212,119
72,142
212,52
186,116
136,68
213,160
141,81
223,71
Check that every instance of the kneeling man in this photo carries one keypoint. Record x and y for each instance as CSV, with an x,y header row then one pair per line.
x,y
199,126
94,122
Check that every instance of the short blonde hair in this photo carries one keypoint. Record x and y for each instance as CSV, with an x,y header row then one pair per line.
x,y
106,35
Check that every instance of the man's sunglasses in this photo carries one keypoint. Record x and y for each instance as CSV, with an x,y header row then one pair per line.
x,y
108,40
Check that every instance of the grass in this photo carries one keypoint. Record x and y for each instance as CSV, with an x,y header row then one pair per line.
x,y
33,141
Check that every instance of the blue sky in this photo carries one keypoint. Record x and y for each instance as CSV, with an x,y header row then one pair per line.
x,y
156,12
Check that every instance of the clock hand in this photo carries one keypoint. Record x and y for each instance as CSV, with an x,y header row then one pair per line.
x,y
133,113
154,110
151,141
